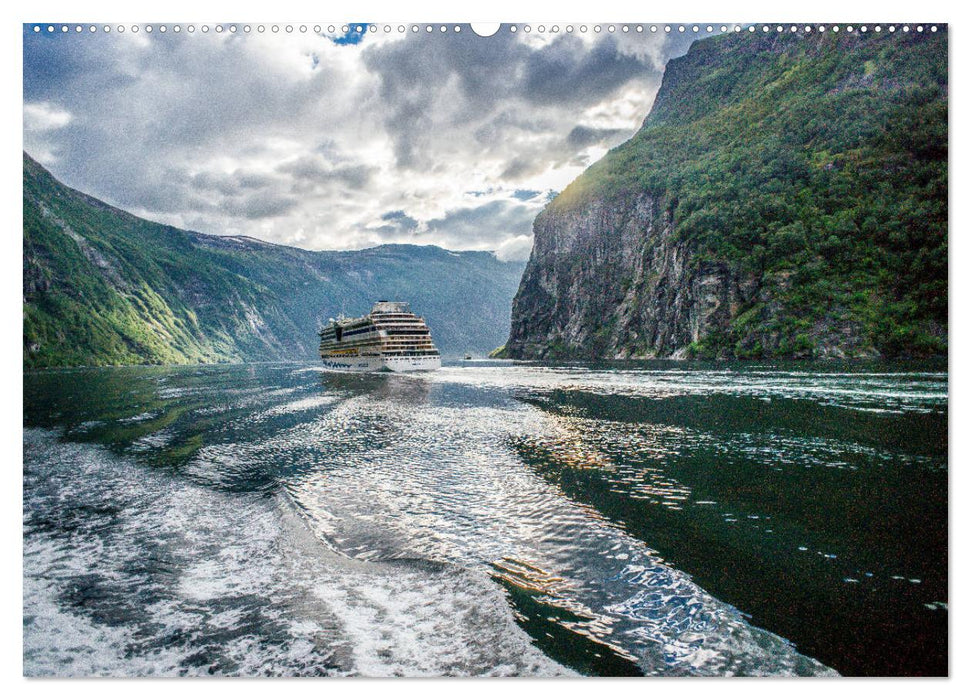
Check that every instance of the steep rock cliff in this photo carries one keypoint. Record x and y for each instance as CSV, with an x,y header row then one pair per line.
x,y
631,294
787,196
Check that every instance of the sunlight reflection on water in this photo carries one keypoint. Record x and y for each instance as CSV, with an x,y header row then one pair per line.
x,y
557,489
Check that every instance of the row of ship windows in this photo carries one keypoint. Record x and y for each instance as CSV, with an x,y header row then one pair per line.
x,y
411,338
328,334
410,353
391,353
369,340
334,346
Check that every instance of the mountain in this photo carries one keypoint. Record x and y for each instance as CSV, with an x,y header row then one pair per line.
x,y
102,286
785,197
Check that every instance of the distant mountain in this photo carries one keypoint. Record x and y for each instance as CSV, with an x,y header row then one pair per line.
x,y
786,197
102,286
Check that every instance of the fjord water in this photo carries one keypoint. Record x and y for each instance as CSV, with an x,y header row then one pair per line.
x,y
487,519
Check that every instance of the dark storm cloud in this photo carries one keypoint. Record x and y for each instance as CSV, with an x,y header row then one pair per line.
x,y
413,68
400,217
487,224
563,72
582,136
396,225
482,227
520,167
458,79
137,102
54,67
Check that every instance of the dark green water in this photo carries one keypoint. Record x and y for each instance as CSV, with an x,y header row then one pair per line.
x,y
660,519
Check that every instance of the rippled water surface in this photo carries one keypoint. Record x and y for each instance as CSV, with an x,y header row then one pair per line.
x,y
486,519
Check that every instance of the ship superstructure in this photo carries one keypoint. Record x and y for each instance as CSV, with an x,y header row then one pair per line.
x,y
389,338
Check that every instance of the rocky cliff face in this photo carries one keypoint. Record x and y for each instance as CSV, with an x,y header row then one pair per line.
x,y
741,221
608,280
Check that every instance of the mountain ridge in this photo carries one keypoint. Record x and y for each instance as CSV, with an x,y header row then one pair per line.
x,y
103,286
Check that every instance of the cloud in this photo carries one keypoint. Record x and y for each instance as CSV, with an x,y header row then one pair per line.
x,y
43,116
261,206
316,169
521,167
484,226
337,141
563,72
582,136
515,248
479,227
395,225
499,93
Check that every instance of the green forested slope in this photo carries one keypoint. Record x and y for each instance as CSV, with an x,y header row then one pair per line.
x,y
101,286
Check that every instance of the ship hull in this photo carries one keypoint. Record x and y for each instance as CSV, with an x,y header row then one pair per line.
x,y
403,363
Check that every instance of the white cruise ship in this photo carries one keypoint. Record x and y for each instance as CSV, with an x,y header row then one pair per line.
x,y
390,338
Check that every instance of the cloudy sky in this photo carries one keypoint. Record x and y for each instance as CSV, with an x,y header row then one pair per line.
x,y
337,140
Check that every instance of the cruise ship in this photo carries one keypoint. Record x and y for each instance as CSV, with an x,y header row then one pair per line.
x,y
390,338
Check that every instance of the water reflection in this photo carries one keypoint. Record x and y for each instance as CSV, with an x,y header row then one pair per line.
x,y
403,388
580,496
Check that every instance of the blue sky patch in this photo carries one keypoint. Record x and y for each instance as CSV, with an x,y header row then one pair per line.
x,y
354,34
525,195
